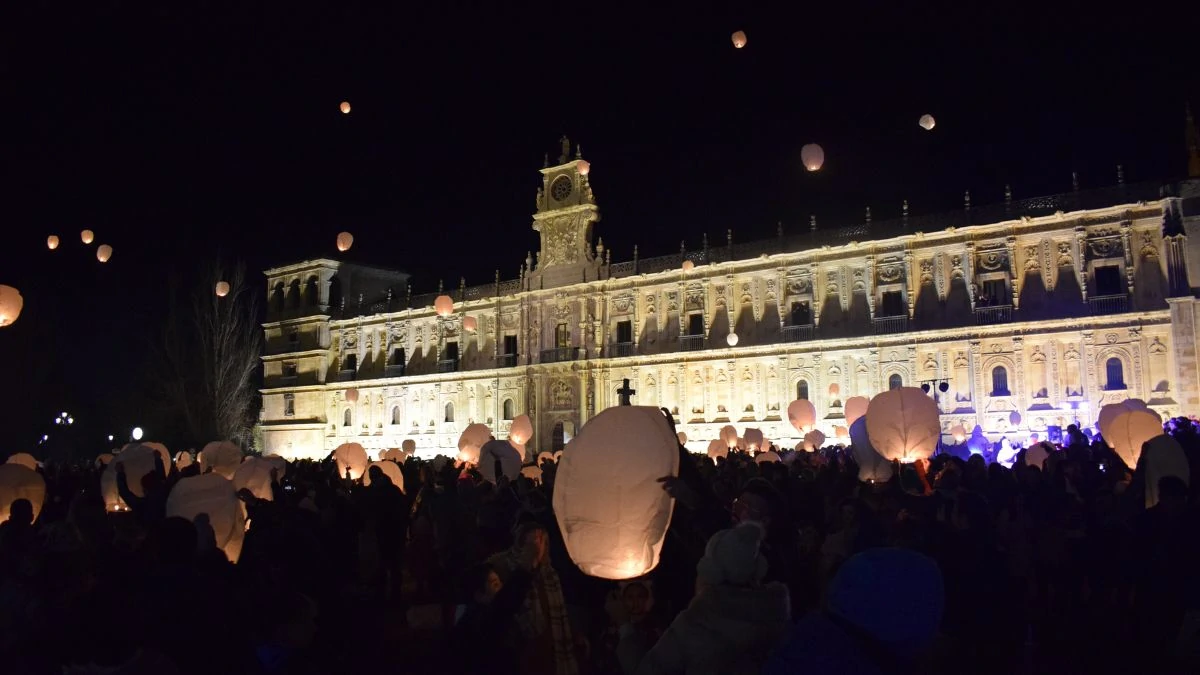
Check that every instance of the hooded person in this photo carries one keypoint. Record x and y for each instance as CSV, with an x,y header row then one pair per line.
x,y
882,614
733,621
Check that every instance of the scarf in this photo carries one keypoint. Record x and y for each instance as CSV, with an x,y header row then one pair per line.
x,y
544,615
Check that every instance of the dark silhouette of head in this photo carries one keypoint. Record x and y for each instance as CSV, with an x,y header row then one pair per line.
x,y
21,513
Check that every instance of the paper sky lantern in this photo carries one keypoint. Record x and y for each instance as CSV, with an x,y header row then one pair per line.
x,y
389,469
351,457
731,339
802,415
469,324
184,459
471,442
814,440
1129,431
222,289
926,122
344,241
533,473
87,236
352,395
254,475
729,436
20,482
109,491
215,496
739,39
903,424
856,407
682,438
611,509
835,389
813,157
584,167
103,459
717,448
510,460
768,457
11,303
24,459
872,467
409,446
278,463
688,265
841,433
557,455
443,305
104,253
1164,457
1014,418
1036,455
52,242
958,432
394,455
222,457
754,439
345,107
138,460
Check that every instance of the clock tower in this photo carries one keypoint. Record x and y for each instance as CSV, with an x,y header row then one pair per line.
x,y
566,210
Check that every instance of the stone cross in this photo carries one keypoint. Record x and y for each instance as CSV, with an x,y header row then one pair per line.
x,y
625,392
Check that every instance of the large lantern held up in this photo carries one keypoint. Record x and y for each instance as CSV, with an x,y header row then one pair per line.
x,y
104,253
20,482
856,407
443,305
611,509
344,241
739,39
221,457
1129,431
813,157
521,430
11,303
352,460
903,424
473,438
214,497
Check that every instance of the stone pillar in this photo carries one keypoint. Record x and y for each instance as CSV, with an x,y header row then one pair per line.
x,y
1183,351
1014,281
910,274
1080,254
975,368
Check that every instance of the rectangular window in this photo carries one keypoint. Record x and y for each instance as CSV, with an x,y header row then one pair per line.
x,y
1108,280
398,356
451,353
624,332
294,338
562,336
892,304
993,292
289,405
289,370
695,324
801,314
350,363
510,344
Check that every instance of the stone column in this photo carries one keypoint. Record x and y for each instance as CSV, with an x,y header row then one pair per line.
x,y
975,367
1080,253
1183,352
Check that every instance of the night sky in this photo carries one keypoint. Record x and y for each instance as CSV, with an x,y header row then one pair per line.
x,y
185,131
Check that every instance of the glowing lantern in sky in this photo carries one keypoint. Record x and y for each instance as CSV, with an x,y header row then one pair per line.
x,y
344,241
52,242
389,469
222,289
584,167
841,433
216,498
958,432
1014,418
812,156
443,305
754,439
872,466
24,459
472,441
104,253
927,122
682,438
352,458
409,447
1129,431
470,324
834,389
731,339
688,265
767,457
345,107
222,457
507,455
20,482
739,39
254,475
521,430
11,303
813,440
729,436
717,448
611,509
903,424
1164,457
856,407
352,395
87,236
802,414
394,455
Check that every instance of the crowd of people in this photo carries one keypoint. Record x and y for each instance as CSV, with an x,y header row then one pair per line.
x,y
953,566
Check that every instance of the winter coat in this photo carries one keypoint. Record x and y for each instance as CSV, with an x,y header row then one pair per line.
x,y
726,630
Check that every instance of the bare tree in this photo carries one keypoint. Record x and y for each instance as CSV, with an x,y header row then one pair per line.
x,y
208,359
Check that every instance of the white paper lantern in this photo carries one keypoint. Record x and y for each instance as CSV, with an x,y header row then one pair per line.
x,y
1163,457
103,459
52,242
584,167
729,436
18,481
717,448
471,442
903,424
842,434
352,395
1036,455
222,457
108,490
856,407
927,122
183,460
222,289
682,438
521,430
768,457
1129,431
802,415
834,390
352,458
11,303
443,305
754,440
1014,418
138,460
739,39
279,464
469,324
688,265
87,236
510,460
533,473
104,253
611,508
545,457
344,241
813,157
814,440
395,455
215,496
254,475
958,432
389,469
872,467
345,108
409,446
24,459
731,339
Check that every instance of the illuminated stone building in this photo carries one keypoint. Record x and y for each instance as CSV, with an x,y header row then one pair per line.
x,y
1048,307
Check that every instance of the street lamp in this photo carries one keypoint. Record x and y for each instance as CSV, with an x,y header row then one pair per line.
x,y
137,433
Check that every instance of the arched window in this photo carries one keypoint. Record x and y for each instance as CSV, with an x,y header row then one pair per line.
x,y
508,408
395,414
347,419
802,390
895,381
293,294
335,293
999,381
277,297
449,412
311,294
1114,372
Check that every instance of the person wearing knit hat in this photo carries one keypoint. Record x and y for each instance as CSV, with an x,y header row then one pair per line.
x,y
733,621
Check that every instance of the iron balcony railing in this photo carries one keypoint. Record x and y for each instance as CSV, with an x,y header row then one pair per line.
x,y
560,355
994,314
619,349
347,374
691,343
394,370
1109,304
888,325
447,365
798,333
507,360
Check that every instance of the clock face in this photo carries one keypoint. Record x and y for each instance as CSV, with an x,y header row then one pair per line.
x,y
560,189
